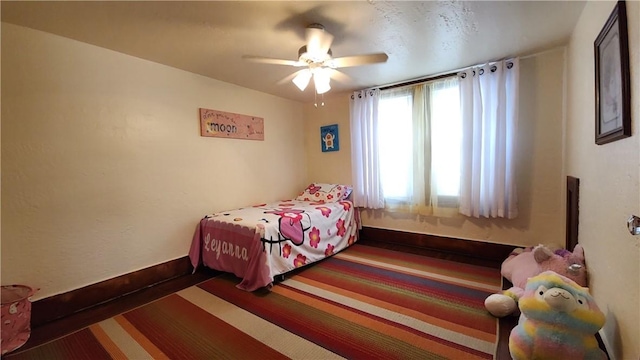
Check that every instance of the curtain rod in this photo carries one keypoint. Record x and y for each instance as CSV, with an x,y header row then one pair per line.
x,y
452,73
418,81
431,78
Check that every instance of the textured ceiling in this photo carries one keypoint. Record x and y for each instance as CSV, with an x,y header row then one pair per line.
x,y
210,37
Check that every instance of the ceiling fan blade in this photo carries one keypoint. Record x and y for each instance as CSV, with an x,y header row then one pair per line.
x,y
356,60
340,77
318,39
288,78
265,60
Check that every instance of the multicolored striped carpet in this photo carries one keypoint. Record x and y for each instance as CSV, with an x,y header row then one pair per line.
x,y
363,303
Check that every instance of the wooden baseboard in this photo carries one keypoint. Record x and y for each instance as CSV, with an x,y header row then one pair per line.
x,y
62,305
58,306
478,252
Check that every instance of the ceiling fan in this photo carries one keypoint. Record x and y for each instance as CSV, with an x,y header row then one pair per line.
x,y
316,56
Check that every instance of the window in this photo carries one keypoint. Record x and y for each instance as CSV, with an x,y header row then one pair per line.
x,y
420,132
446,135
396,145
443,144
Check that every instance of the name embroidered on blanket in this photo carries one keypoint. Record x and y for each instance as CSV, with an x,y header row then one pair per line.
x,y
221,246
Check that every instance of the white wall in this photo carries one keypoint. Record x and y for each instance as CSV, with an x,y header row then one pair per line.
x,y
540,180
104,171
609,182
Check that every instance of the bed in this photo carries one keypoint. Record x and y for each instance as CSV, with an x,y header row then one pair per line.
x,y
260,242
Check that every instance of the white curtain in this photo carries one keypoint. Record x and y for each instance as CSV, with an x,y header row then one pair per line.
x,y
420,199
489,106
367,187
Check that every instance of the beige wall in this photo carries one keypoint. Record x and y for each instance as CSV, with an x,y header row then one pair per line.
x,y
609,182
331,166
103,168
540,182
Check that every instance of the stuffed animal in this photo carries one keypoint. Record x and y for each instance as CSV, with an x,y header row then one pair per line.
x,y
559,320
523,264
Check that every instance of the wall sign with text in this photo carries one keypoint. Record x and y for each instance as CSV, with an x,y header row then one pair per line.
x,y
216,123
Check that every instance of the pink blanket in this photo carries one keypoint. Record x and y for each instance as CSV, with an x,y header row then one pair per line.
x,y
259,242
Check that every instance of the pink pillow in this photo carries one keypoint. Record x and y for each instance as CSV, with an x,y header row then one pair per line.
x,y
325,192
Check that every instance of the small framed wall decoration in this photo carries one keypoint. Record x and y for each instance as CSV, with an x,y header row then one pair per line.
x,y
613,97
329,139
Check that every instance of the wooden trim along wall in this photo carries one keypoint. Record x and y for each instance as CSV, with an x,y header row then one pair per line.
x,y
573,200
59,306
62,305
477,252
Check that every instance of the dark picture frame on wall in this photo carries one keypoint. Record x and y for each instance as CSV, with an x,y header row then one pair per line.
x,y
613,97
329,139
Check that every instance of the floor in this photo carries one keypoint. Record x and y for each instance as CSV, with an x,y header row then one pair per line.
x,y
82,319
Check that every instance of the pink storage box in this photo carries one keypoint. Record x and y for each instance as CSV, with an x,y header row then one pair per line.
x,y
16,317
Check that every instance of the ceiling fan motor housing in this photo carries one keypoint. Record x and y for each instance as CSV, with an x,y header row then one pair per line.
x,y
315,26
307,58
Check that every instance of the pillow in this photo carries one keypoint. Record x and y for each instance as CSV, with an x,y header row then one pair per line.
x,y
325,192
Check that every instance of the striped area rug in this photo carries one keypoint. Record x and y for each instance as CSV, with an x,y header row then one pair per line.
x,y
363,303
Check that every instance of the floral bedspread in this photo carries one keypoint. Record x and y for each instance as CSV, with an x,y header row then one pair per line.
x,y
262,241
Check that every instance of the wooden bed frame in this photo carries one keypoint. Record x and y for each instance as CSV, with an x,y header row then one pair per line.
x,y
573,195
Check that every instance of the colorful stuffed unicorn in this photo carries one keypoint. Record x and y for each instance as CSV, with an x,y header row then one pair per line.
x,y
559,320
523,264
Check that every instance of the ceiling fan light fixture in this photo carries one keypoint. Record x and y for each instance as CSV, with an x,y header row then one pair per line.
x,y
302,79
322,88
321,79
